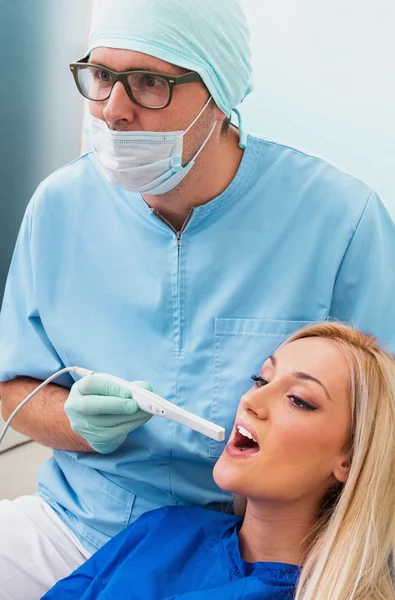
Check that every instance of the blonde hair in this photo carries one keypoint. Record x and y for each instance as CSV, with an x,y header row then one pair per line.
x,y
351,552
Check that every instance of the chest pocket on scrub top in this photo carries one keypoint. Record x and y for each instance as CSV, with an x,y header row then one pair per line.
x,y
240,348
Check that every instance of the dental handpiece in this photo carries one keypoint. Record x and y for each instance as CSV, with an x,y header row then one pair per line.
x,y
147,401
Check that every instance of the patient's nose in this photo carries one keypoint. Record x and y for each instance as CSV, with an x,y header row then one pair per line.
x,y
254,403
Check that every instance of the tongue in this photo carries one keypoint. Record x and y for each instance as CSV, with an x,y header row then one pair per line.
x,y
247,444
249,450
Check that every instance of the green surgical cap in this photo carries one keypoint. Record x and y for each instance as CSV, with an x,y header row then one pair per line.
x,y
210,37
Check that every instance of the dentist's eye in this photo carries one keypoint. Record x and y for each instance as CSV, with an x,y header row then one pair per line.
x,y
101,75
301,404
259,381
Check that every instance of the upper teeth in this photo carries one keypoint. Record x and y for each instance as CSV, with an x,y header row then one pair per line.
x,y
246,433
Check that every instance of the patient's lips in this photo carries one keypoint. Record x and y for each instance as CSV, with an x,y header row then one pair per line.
x,y
243,443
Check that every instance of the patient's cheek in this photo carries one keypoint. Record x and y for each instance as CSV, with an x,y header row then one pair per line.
x,y
301,435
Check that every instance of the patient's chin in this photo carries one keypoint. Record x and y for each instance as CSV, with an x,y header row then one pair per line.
x,y
225,475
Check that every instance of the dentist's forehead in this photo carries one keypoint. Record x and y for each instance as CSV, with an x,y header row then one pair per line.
x,y
130,59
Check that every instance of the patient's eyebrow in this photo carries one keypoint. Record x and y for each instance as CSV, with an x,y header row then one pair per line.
x,y
303,376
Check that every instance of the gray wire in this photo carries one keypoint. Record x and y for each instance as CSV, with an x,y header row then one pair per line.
x,y
29,397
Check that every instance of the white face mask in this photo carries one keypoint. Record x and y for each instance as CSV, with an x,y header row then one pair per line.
x,y
141,161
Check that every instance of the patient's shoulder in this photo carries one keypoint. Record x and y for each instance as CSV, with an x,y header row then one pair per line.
x,y
175,526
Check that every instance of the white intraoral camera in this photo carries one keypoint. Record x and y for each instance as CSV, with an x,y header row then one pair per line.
x,y
159,407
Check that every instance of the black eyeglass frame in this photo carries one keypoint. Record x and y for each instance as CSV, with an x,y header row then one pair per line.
x,y
122,76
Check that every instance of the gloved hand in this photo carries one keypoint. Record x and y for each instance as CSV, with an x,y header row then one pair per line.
x,y
103,412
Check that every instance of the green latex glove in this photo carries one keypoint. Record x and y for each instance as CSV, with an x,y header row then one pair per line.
x,y
103,412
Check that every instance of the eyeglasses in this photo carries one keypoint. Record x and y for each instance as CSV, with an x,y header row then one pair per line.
x,y
147,89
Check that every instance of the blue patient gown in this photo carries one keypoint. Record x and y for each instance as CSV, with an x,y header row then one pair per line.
x,y
175,553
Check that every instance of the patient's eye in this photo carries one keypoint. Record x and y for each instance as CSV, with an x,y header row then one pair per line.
x,y
259,381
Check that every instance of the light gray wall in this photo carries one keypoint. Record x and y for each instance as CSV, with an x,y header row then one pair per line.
x,y
325,81
41,110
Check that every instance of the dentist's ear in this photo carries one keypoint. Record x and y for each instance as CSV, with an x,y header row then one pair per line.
x,y
219,115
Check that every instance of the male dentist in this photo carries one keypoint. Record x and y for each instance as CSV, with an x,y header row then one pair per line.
x,y
181,251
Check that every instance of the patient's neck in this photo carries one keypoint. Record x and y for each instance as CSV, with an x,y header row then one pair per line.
x,y
277,533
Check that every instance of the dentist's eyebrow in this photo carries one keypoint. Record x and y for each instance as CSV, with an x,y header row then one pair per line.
x,y
90,62
303,376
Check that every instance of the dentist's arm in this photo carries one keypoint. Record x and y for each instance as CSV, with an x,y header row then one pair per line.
x,y
365,287
43,418
85,419
96,415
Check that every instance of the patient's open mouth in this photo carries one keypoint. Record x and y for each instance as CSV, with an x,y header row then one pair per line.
x,y
243,444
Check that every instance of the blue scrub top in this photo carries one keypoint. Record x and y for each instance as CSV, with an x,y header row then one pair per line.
x,y
177,552
99,281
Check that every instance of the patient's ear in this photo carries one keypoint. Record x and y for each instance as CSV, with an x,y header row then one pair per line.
x,y
342,468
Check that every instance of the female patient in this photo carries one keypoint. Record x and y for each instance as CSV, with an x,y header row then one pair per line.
x,y
313,452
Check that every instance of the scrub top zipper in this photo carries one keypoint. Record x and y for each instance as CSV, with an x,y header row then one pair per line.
x,y
178,318
179,232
